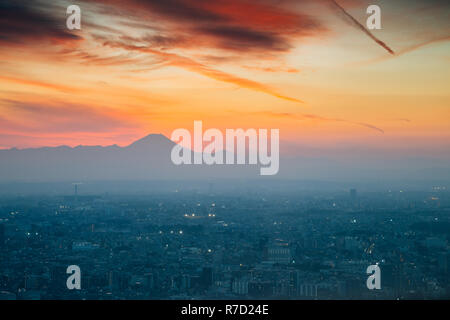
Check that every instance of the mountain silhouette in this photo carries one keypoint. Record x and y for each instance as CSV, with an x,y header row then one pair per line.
x,y
145,159
148,159
152,140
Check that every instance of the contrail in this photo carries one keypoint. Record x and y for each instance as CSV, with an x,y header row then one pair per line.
x,y
423,44
403,51
363,29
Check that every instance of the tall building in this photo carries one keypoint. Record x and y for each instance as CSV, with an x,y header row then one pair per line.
x,y
2,234
307,290
240,286
279,253
206,278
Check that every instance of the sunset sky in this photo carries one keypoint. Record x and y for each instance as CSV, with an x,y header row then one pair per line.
x,y
301,66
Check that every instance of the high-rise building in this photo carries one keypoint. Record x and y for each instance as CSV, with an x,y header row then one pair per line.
x,y
2,234
279,253
206,278
240,286
307,290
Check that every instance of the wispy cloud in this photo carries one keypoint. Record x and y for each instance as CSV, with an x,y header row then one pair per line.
x,y
59,117
306,116
173,59
38,83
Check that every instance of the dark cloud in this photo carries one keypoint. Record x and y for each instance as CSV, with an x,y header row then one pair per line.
x,y
25,22
184,10
243,38
234,25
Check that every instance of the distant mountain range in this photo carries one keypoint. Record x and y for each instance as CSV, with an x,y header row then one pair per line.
x,y
149,159
145,159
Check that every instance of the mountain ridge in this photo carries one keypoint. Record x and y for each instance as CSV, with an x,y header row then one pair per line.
x,y
141,141
147,158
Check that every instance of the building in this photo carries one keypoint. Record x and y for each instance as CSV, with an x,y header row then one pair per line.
x,y
307,290
240,286
2,234
279,254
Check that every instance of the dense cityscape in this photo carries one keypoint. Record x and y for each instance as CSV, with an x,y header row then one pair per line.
x,y
204,244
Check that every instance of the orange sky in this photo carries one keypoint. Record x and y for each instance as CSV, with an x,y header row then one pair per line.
x,y
299,66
